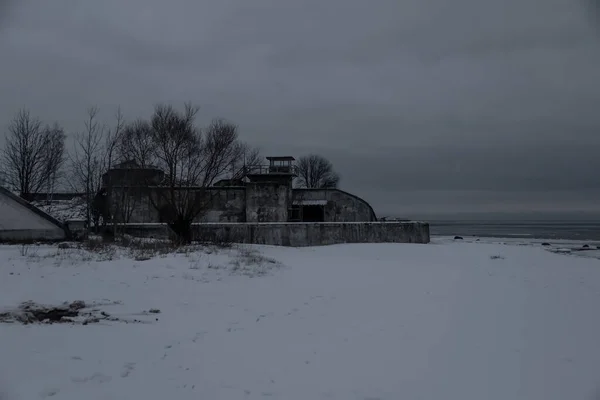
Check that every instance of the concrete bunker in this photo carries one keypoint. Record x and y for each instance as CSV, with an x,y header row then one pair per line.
x,y
255,193
259,204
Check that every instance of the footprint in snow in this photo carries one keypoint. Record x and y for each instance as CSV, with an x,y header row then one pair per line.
x,y
49,393
95,378
198,336
127,369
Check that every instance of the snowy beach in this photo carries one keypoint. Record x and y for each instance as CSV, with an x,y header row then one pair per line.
x,y
455,319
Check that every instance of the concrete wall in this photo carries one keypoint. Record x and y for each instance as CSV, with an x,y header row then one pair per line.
x,y
298,234
136,205
267,202
55,196
20,221
156,230
143,210
264,202
341,206
131,175
227,205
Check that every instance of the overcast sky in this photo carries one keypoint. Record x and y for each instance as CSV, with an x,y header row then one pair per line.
x,y
422,105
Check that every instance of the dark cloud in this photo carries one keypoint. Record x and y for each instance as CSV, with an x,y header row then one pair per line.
x,y
476,99
5,11
593,9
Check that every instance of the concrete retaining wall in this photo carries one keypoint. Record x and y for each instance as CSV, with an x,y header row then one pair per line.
x,y
298,234
153,230
27,235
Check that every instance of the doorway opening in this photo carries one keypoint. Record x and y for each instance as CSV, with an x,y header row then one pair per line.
x,y
313,213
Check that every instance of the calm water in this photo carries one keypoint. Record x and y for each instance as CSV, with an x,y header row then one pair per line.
x,y
570,230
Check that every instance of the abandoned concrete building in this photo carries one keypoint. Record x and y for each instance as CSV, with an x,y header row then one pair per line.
x,y
258,205
256,193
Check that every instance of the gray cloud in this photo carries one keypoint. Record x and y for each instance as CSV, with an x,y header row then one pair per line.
x,y
407,98
593,9
5,10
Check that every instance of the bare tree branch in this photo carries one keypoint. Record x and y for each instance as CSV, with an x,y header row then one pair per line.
x,y
89,160
191,160
221,149
33,155
113,139
316,172
245,156
135,144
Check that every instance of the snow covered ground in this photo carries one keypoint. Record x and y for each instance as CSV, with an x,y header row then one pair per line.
x,y
450,320
579,248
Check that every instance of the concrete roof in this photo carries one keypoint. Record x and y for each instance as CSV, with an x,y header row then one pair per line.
x,y
281,158
31,207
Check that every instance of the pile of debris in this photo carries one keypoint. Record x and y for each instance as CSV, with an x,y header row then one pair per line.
x,y
76,312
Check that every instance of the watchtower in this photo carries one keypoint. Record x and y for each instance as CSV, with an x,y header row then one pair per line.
x,y
269,190
280,169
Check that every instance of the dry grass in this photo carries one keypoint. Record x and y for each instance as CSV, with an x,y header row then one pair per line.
x,y
250,262
212,258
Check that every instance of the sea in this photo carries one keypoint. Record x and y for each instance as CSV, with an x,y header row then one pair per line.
x,y
562,230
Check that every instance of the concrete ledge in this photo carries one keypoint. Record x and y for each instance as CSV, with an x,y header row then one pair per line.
x,y
296,234
28,235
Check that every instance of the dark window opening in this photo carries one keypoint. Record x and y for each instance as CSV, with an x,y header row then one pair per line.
x,y
294,214
313,213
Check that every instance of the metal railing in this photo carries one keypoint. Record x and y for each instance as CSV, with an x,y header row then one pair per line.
x,y
264,170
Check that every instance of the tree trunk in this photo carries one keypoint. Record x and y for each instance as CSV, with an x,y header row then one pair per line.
x,y
183,230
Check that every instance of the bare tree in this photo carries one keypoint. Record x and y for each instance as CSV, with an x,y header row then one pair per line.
x,y
246,157
251,155
113,139
220,149
110,205
191,160
33,154
178,148
92,155
136,144
316,172
56,157
124,201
